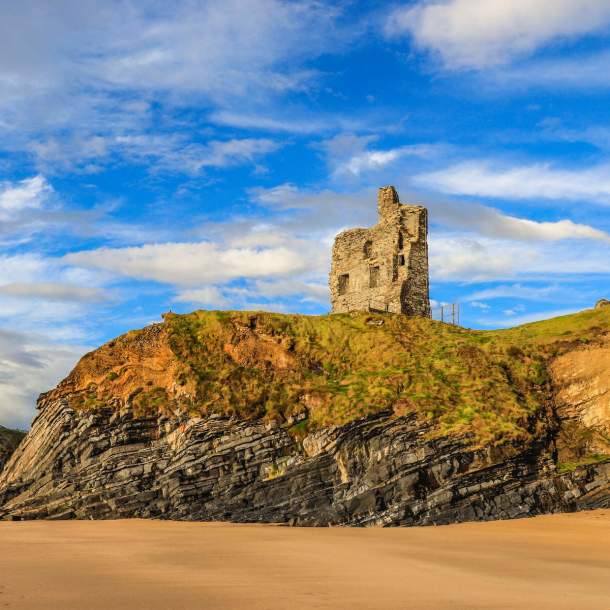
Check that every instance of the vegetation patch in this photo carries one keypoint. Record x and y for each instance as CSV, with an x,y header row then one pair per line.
x,y
491,385
594,458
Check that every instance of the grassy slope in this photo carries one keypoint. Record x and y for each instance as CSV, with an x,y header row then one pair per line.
x,y
329,370
9,439
492,384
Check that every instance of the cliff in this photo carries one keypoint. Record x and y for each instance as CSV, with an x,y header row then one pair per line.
x,y
9,440
351,419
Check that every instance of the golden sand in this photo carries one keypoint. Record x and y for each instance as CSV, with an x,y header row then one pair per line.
x,y
555,562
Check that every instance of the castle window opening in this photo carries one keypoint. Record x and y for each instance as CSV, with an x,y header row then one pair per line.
x,y
400,241
367,250
343,284
374,277
401,260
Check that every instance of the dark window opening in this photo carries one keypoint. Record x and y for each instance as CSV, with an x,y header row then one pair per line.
x,y
400,241
374,277
367,250
343,283
401,260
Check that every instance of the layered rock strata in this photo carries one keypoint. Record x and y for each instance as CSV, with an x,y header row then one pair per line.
x,y
377,471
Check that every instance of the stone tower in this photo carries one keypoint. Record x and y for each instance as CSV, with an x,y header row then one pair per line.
x,y
384,268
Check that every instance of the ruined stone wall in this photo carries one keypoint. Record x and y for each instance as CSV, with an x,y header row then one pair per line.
x,y
384,268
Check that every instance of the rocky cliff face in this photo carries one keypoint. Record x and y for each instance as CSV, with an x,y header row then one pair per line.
x,y
9,440
94,451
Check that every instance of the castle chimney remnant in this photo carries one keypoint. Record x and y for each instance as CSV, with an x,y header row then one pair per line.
x,y
384,268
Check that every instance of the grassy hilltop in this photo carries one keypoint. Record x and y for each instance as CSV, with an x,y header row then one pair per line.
x,y
9,439
306,372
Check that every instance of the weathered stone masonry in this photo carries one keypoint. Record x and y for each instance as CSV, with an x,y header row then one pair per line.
x,y
384,268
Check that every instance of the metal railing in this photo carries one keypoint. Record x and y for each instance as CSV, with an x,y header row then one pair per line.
x,y
449,313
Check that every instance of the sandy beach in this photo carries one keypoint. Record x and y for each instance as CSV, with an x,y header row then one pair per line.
x,y
556,561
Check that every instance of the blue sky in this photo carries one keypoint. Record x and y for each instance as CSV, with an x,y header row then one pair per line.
x,y
158,156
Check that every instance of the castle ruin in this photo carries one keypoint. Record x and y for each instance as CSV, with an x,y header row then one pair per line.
x,y
384,268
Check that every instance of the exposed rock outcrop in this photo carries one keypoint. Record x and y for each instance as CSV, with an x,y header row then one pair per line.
x,y
402,465
379,470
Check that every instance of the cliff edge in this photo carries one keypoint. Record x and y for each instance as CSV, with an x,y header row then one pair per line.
x,y
344,419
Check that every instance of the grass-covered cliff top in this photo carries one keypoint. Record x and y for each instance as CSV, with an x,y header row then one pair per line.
x,y
9,439
326,370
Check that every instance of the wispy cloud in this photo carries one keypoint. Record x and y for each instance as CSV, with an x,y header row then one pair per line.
x,y
23,196
29,365
582,71
513,291
53,291
349,155
513,319
479,34
484,220
534,181
472,259
101,71
191,263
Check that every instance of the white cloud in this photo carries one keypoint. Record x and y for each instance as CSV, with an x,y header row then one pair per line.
x,y
77,75
308,291
595,135
348,155
43,295
175,153
318,214
470,259
526,318
29,364
490,222
292,124
208,295
535,181
217,48
251,295
513,291
28,194
468,242
580,72
53,291
482,33
169,152
191,263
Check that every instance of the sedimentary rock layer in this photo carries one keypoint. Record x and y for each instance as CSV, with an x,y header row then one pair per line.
x,y
380,470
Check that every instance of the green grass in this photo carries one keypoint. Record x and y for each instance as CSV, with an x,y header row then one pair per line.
x,y
10,438
329,370
492,384
594,458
